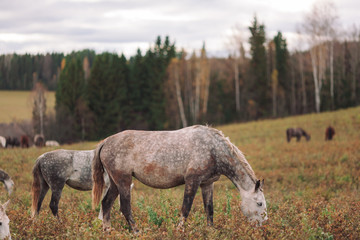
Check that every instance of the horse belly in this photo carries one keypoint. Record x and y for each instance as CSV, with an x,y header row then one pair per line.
x,y
80,180
159,176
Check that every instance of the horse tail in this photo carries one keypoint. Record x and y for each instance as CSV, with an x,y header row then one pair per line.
x,y
97,176
36,188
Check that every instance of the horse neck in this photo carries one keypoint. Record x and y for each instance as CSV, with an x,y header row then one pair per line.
x,y
302,132
235,167
242,179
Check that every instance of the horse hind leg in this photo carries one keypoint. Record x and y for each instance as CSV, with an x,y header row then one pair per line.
x,y
123,184
43,190
106,205
55,198
207,194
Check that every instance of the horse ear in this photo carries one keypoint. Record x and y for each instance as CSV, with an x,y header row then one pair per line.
x,y
262,184
257,185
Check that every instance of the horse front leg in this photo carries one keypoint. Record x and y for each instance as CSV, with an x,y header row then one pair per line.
x,y
191,186
207,194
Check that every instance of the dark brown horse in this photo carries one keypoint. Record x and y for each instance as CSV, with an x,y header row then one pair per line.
x,y
329,133
195,156
24,141
13,142
296,132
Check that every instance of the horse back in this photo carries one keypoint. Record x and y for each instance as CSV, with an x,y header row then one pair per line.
x,y
160,159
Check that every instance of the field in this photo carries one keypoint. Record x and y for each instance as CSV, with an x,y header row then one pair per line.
x,y
311,189
17,105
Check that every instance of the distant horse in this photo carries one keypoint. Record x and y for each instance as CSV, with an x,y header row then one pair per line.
x,y
39,140
194,156
55,169
24,141
8,142
2,142
13,142
51,143
329,133
4,222
7,181
296,132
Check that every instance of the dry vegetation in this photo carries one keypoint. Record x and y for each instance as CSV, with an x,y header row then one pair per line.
x,y
17,105
311,188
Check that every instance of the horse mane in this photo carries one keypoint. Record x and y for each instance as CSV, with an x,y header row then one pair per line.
x,y
235,151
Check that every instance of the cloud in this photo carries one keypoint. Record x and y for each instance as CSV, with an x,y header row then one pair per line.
x,y
55,25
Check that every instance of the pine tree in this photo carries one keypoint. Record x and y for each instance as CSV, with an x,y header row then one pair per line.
x,y
284,84
69,97
259,87
157,61
138,93
107,93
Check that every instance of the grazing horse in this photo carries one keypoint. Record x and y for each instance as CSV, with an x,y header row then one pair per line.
x,y
2,142
195,156
51,143
24,141
13,142
39,140
329,133
296,132
4,222
7,181
55,169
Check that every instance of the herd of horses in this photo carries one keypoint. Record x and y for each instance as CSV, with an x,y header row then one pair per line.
x,y
195,156
24,142
299,132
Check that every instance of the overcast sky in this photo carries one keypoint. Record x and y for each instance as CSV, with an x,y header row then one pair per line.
x,y
33,26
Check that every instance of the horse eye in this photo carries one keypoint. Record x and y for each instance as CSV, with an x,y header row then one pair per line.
x,y
259,204
0,223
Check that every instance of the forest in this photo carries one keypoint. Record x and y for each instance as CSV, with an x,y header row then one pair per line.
x,y
98,94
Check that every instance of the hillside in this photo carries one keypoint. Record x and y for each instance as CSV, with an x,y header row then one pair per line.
x,y
17,105
311,189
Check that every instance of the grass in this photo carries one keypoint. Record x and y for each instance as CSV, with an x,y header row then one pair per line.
x,y
311,189
17,105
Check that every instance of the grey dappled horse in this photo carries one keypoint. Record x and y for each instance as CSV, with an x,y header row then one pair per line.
x,y
195,156
59,167
4,222
7,181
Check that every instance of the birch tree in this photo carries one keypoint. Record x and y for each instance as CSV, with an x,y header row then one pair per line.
x,y
355,39
319,27
175,78
39,107
301,69
235,47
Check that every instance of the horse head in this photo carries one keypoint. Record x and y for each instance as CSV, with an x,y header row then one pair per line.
x,y
9,184
4,221
253,204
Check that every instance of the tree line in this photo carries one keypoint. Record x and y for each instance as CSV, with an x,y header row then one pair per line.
x,y
165,88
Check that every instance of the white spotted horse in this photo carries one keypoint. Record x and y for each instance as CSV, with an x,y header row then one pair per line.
x,y
195,156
